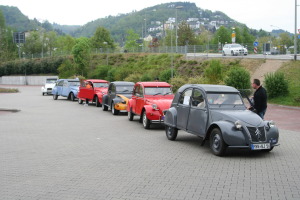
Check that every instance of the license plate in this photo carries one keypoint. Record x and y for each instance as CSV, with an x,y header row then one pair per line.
x,y
162,117
260,146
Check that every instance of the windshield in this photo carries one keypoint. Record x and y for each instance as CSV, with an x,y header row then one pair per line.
x,y
157,90
98,85
224,98
51,80
74,83
236,46
125,88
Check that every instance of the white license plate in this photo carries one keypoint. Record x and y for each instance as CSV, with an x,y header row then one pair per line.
x,y
260,146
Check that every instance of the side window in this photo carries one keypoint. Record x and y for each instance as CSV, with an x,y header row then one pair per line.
x,y
65,84
141,91
136,90
60,83
110,87
113,89
185,97
198,99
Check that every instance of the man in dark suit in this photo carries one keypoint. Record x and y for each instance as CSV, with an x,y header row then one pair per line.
x,y
259,98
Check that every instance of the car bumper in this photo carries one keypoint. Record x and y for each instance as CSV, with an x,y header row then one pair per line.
x,y
121,107
248,147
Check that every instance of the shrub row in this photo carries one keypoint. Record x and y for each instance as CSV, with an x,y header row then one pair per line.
x,y
31,66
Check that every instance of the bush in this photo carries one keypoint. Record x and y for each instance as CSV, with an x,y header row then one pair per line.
x,y
146,77
214,72
133,78
276,84
66,69
196,80
100,72
177,82
166,75
239,78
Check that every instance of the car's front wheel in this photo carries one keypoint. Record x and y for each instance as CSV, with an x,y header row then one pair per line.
x,y
171,132
72,97
80,101
146,121
217,144
104,107
55,97
43,93
232,53
130,115
98,104
113,110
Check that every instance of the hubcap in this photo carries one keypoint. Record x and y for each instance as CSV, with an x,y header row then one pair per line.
x,y
216,142
113,108
169,131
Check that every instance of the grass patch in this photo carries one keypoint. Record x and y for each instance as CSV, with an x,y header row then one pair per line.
x,y
9,90
291,71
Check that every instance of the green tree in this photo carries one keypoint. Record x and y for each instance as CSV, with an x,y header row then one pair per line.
x,y
102,39
170,38
51,38
247,37
131,38
205,37
285,39
223,35
81,54
185,34
33,43
238,36
65,43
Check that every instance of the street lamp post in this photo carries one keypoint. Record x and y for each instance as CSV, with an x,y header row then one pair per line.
x,y
176,23
295,36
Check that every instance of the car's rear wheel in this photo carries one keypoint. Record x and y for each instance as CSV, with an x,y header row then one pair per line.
x,y
146,121
223,53
72,97
217,144
55,97
98,104
130,115
171,132
43,93
113,110
80,101
232,53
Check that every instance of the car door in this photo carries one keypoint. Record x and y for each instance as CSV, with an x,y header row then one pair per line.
x,y
198,114
140,100
135,94
183,109
112,94
90,91
59,87
65,89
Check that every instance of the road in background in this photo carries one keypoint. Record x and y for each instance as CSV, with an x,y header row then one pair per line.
x,y
63,150
250,56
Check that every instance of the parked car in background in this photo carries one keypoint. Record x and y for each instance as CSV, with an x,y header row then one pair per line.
x,y
92,91
118,94
66,88
148,101
218,114
233,50
49,85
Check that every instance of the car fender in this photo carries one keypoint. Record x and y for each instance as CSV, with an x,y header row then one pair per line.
x,y
171,117
151,113
129,105
272,133
231,135
105,99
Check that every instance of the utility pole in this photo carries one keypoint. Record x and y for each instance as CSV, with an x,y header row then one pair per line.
x,y
176,24
295,36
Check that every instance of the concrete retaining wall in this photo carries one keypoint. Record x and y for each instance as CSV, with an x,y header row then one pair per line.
x,y
22,80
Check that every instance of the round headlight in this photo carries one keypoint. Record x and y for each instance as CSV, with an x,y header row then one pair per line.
x,y
271,123
154,106
238,124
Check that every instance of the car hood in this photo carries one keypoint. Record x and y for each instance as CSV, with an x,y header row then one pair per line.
x,y
247,117
123,96
74,88
49,85
101,90
161,103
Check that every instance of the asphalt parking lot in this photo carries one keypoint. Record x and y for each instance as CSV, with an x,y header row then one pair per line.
x,y
63,150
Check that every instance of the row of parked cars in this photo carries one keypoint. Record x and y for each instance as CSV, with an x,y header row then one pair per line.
x,y
215,113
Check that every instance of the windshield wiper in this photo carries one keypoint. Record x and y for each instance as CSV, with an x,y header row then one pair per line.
x,y
167,93
125,91
156,94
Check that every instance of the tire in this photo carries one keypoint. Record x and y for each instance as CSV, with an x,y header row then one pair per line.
x,y
43,93
113,110
98,104
104,107
130,115
80,101
72,97
217,144
55,97
171,132
232,54
146,121
223,53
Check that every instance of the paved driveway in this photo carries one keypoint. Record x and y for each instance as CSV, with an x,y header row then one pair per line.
x,y
63,150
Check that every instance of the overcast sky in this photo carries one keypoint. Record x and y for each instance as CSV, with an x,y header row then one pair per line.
x,y
254,13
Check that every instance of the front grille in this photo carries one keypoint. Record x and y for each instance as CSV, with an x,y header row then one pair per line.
x,y
49,88
258,134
